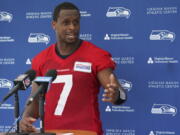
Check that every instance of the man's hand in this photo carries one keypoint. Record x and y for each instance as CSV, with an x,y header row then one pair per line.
x,y
26,124
111,92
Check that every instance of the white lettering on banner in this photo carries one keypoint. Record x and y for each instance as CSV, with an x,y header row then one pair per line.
x,y
124,60
163,84
6,39
162,60
6,107
162,10
85,36
118,36
85,14
119,109
162,133
38,15
7,61
120,131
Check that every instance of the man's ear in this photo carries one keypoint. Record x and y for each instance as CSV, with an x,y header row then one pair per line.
x,y
53,23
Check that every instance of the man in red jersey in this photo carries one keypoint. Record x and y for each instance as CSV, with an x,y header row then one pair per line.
x,y
71,103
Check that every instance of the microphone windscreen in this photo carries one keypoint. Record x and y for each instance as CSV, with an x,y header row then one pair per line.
x,y
51,73
31,73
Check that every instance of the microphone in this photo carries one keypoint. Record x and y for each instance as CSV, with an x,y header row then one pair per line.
x,y
43,84
22,82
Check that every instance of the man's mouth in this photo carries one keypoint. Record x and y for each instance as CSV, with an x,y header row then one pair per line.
x,y
70,35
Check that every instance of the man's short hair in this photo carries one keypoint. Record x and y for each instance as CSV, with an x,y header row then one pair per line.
x,y
64,5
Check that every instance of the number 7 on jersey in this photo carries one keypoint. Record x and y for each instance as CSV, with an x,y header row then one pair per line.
x,y
67,80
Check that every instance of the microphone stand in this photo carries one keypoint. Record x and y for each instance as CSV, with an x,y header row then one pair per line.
x,y
17,116
41,115
41,111
16,111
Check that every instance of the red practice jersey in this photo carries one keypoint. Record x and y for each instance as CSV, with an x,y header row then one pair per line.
x,y
72,100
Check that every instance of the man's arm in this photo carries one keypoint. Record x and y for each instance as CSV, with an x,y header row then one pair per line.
x,y
30,114
113,92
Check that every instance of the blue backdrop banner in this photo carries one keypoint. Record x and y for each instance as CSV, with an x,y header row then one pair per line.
x,y
141,35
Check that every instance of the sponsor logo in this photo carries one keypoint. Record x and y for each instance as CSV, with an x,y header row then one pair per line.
x,y
87,37
85,14
162,35
119,36
161,133
107,37
118,12
151,133
82,66
38,38
125,84
124,60
38,15
119,109
116,131
5,16
7,61
162,10
163,84
5,83
28,61
162,60
108,109
6,39
163,109
6,128
6,106
150,61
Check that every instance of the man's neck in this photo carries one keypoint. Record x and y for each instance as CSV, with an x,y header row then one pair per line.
x,y
67,49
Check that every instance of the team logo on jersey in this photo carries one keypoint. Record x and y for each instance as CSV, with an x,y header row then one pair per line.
x,y
82,66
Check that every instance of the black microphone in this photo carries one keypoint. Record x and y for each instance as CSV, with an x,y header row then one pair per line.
x,y
22,82
43,84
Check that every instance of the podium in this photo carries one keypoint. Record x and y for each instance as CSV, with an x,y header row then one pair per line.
x,y
72,132
68,132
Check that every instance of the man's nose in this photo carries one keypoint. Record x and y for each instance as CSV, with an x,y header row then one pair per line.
x,y
71,26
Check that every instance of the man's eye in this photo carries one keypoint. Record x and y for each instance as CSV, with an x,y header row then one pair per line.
x,y
76,22
66,22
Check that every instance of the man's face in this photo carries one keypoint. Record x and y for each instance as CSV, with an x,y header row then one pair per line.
x,y
67,26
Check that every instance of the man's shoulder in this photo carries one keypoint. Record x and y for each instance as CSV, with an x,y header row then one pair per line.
x,y
100,58
94,51
93,48
46,53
